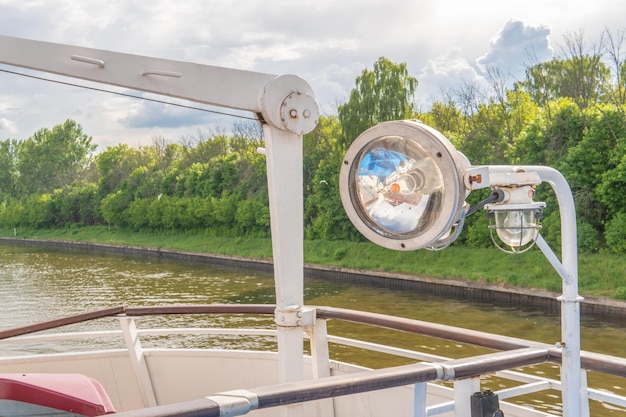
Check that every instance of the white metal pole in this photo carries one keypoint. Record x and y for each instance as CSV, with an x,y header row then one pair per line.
x,y
571,388
283,151
571,381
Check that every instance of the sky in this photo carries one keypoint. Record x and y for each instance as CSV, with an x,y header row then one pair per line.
x,y
327,42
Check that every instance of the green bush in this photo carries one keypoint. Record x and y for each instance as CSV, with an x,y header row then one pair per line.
x,y
113,207
11,213
588,238
551,230
137,214
252,218
477,231
615,233
39,210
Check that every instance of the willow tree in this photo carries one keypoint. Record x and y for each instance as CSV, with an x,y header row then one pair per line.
x,y
382,94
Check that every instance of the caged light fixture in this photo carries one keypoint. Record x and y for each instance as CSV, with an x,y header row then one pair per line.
x,y
515,218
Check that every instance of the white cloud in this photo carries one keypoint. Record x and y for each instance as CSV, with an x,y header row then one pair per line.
x,y
445,74
326,42
148,114
516,46
7,127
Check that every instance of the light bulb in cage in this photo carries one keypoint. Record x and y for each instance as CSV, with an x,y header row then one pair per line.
x,y
516,219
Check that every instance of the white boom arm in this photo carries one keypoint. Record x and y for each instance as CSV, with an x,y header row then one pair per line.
x,y
286,107
286,102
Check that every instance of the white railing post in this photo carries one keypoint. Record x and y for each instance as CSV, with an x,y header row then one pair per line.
x,y
318,339
584,394
419,400
318,336
463,391
138,360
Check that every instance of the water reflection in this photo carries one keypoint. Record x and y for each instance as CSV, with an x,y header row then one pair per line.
x,y
38,284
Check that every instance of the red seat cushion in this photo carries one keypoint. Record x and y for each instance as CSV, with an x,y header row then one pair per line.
x,y
74,393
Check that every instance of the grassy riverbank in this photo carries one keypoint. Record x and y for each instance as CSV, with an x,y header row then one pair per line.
x,y
602,275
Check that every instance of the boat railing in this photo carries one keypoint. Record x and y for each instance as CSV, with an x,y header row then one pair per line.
x,y
510,353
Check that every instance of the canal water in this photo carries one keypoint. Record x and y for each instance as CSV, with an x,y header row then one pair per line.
x,y
37,284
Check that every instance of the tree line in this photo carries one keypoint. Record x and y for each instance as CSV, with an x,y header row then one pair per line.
x,y
568,113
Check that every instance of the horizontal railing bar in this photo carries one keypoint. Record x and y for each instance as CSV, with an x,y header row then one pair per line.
x,y
195,408
473,337
199,331
524,389
346,384
61,336
436,409
469,367
202,309
602,363
597,362
607,397
375,347
397,376
60,322
141,332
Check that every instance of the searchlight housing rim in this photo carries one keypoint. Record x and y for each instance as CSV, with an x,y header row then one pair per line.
x,y
425,147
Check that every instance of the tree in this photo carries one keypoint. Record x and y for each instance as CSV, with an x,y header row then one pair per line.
x,y
515,106
8,168
614,49
546,140
317,145
382,94
592,165
447,118
115,164
325,217
51,159
579,75
114,206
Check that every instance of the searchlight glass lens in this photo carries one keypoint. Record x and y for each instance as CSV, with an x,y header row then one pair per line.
x,y
398,186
